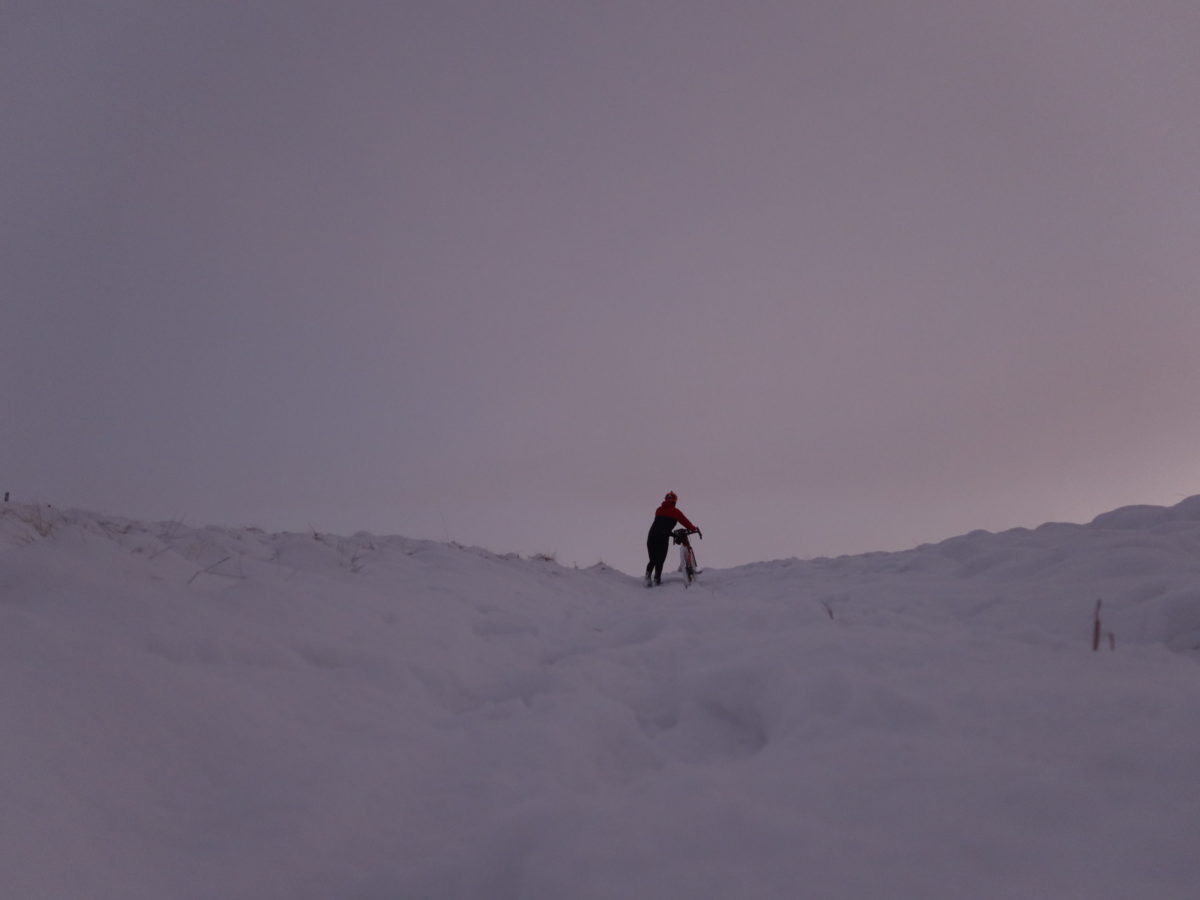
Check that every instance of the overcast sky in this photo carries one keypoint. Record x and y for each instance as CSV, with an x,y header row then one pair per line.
x,y
847,276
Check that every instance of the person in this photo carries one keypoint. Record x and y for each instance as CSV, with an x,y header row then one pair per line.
x,y
658,541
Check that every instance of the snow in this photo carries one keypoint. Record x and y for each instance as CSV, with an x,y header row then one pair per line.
x,y
223,713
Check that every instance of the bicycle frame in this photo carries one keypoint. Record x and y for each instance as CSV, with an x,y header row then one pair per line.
x,y
687,556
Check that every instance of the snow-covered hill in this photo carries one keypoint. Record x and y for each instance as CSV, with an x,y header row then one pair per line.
x,y
225,714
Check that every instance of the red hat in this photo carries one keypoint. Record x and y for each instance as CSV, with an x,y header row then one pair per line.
x,y
670,498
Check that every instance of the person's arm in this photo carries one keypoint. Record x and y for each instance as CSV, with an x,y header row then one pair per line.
x,y
684,521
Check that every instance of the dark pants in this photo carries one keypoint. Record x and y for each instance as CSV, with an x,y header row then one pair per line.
x,y
657,546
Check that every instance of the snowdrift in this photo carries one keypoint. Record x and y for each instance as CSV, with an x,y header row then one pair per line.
x,y
223,713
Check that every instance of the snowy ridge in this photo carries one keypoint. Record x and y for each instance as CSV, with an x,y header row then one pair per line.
x,y
207,712
1142,562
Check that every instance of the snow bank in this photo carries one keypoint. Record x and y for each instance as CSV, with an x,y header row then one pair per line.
x,y
200,712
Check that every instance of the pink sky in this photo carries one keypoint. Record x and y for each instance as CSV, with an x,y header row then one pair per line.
x,y
846,276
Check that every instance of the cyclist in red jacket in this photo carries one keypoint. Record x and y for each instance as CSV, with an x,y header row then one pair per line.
x,y
658,541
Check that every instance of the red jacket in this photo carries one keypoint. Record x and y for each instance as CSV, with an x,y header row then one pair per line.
x,y
666,517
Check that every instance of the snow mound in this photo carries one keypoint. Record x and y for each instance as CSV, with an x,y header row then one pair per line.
x,y
208,712
1150,517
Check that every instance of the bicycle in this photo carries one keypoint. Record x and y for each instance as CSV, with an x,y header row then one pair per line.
x,y
687,556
